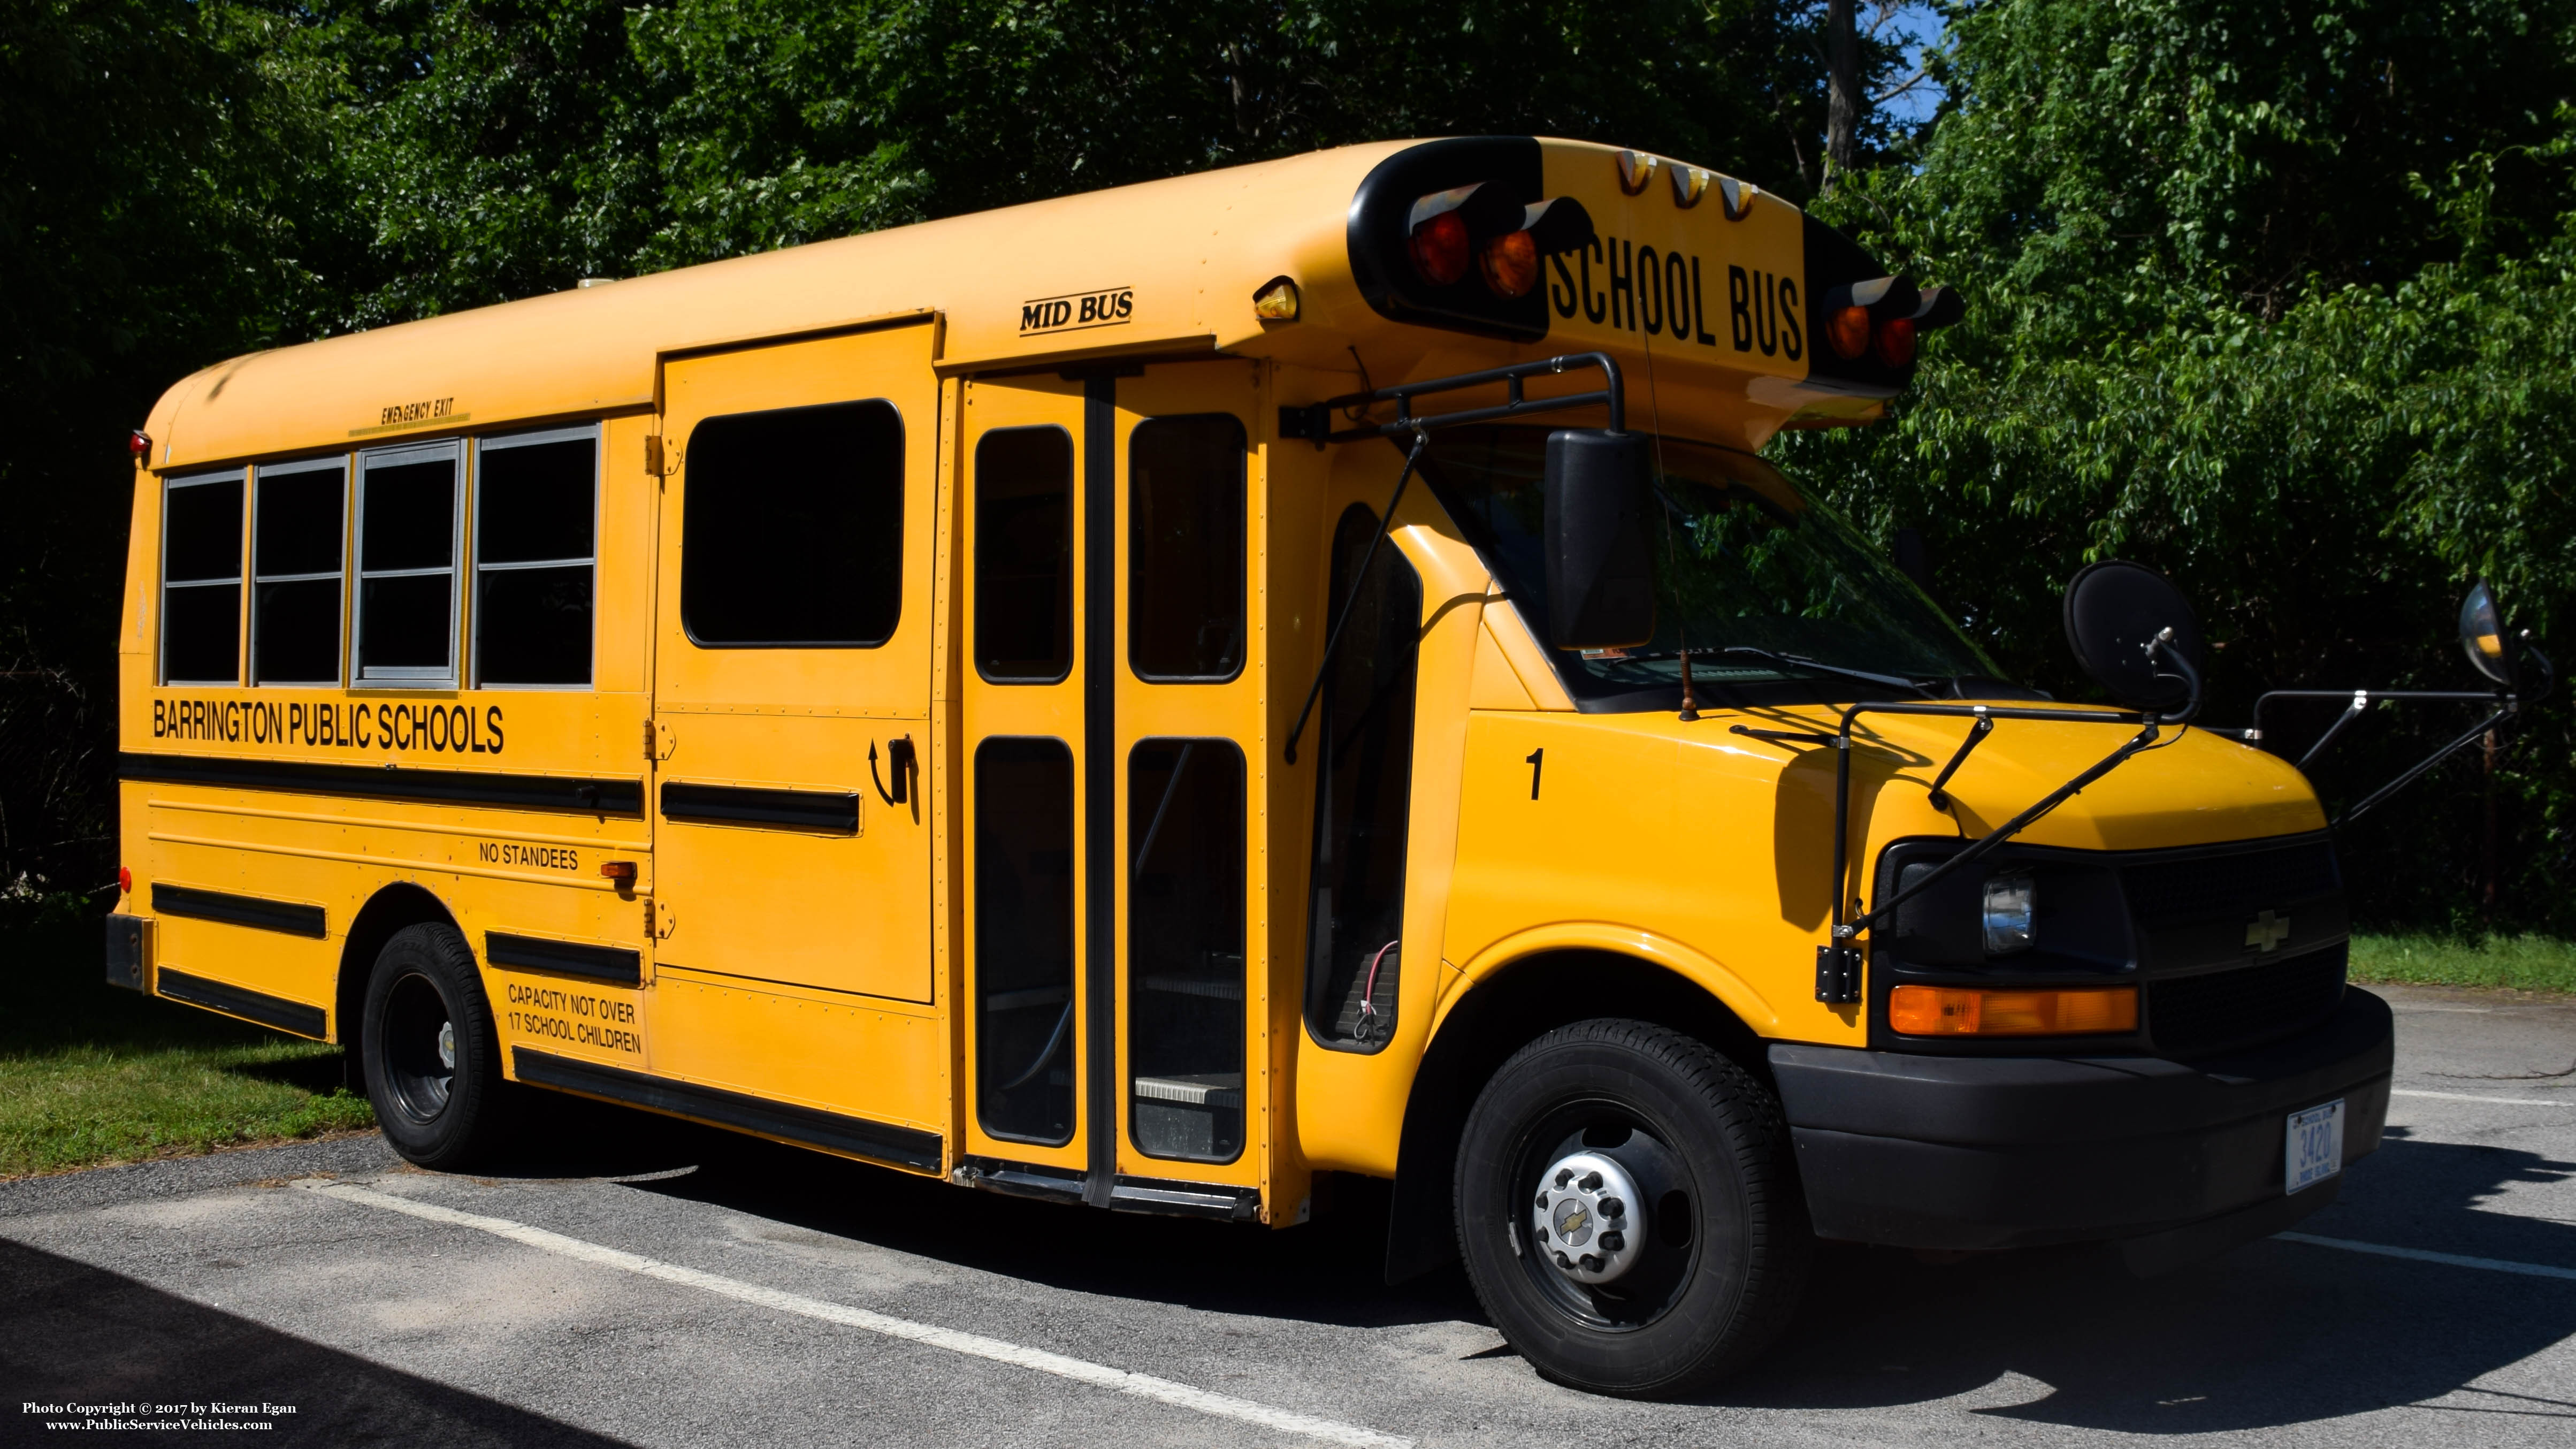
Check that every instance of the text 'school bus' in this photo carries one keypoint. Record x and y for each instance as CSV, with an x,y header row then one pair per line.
x,y
1146,698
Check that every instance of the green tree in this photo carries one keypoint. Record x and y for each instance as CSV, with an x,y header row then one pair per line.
x,y
2274,299
154,216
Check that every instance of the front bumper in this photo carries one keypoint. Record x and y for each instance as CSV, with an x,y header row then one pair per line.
x,y
2177,1159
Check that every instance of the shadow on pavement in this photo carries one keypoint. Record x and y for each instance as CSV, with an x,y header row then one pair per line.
x,y
2270,1335
73,1334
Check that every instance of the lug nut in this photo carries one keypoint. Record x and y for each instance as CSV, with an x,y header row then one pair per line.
x,y
1591,1264
1563,1262
1564,1175
1542,1202
1611,1207
1613,1240
1591,1182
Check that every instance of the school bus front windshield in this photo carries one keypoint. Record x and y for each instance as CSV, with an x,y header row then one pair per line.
x,y
1744,561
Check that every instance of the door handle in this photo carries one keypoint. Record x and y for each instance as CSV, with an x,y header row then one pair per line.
x,y
899,759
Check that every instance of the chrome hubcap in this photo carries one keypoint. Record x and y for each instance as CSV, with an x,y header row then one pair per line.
x,y
1589,1218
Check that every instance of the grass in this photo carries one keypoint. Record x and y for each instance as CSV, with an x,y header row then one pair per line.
x,y
91,1075
2520,963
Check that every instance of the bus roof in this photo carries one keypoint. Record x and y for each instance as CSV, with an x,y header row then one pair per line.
x,y
1162,268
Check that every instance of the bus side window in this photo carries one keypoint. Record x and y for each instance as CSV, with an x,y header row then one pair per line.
x,y
1185,520
1024,953
791,532
1185,934
407,541
1363,796
297,537
1024,555
536,502
201,560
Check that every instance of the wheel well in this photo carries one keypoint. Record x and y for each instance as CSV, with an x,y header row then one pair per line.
x,y
1526,999
388,911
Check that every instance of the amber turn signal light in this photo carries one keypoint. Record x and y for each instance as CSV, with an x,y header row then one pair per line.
x,y
620,871
1510,264
1277,301
1848,331
1976,1011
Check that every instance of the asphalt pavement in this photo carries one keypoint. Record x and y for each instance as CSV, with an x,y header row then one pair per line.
x,y
656,1284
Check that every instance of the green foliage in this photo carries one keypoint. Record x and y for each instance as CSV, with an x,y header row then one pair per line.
x,y
2278,300
2515,963
90,1074
2275,298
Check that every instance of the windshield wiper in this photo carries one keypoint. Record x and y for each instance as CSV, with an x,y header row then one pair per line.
x,y
1816,666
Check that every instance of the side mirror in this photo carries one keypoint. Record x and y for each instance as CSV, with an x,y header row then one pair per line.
x,y
1600,553
2134,633
2482,634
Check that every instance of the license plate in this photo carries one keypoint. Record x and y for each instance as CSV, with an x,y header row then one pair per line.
x,y
2315,1150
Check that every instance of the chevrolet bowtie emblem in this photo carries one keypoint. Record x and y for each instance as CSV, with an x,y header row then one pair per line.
x,y
2267,931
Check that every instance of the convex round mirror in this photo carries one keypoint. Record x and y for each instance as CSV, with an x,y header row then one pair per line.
x,y
2482,634
2113,610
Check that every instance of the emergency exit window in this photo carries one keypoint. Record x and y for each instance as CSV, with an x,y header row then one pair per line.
x,y
407,542
536,523
1185,520
1185,941
201,557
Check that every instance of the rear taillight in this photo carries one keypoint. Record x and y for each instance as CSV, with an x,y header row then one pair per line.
x,y
1896,341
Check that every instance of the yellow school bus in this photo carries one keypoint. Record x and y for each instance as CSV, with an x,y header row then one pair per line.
x,y
1155,698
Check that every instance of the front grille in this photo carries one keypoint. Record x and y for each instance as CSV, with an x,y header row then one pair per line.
x,y
2193,1014
2213,887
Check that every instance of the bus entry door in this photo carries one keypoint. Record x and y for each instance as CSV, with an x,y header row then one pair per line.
x,y
1111,734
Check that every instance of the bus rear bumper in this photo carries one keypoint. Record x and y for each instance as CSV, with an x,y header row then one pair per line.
x,y
2175,1160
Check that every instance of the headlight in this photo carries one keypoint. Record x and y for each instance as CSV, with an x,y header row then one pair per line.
x,y
2011,903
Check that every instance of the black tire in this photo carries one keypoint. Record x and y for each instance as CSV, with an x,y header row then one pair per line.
x,y
1720,1236
433,1061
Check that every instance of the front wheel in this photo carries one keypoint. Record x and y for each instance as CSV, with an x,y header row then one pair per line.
x,y
433,1062
1628,1211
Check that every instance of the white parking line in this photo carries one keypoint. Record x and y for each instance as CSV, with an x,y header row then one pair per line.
x,y
2465,1097
1081,1370
2454,1260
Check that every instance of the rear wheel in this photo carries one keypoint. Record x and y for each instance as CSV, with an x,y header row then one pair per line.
x,y
1628,1211
433,1062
